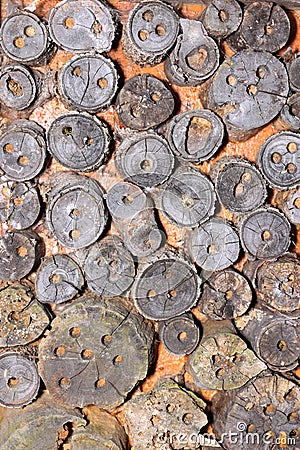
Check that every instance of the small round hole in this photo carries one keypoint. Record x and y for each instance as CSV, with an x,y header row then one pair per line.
x,y
148,16
291,168
252,89
231,80
151,293
118,360
170,408
13,317
187,418
75,332
12,382
59,351
268,30
18,201
29,31
251,428
220,373
211,249
107,339
261,72
228,294
292,147
100,383
160,30
146,164
294,434
19,42
155,96
88,141
187,201
266,235
276,157
55,278
87,354
76,71
281,345
64,383
23,161
169,273
223,16
182,336
246,177
96,27
292,416
297,203
15,88
127,199
172,293
269,409
143,35
67,131
75,234
69,22
22,251
102,83
74,213
9,148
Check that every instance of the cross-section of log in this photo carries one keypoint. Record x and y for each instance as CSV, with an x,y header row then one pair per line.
x,y
20,251
102,432
247,91
265,233
214,245
262,415
195,136
179,335
279,160
79,142
150,32
144,159
144,102
22,150
96,353
22,318
58,280
76,213
221,18
82,27
274,338
19,205
44,425
265,26
289,203
222,359
166,286
88,83
133,213
226,295
108,266
195,57
239,185
278,284
187,198
161,418
289,118
19,380
18,87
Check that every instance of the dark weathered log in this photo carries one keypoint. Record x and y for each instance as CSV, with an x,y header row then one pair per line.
x,y
289,203
96,353
274,338
168,417
19,380
222,359
247,91
226,295
289,118
195,136
88,83
144,159
79,142
22,150
150,32
179,335
19,205
222,17
22,318
262,415
195,57
82,27
166,286
58,280
145,102
187,198
214,245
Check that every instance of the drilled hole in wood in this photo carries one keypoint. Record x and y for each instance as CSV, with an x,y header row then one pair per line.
x,y
252,89
12,382
231,80
74,213
22,251
143,35
87,354
239,189
75,332
292,147
18,201
148,16
14,87
23,161
269,30
55,278
223,16
182,336
291,168
102,83
269,409
297,203
75,234
69,22
170,408
276,157
169,273
251,428
160,30
261,72
151,293
118,360
220,373
146,164
107,339
96,27
292,416
228,294
187,201
19,42
187,418
294,433
211,249
100,383
127,199
67,130
59,351
64,383
282,345
76,71
246,177
9,148
155,96
13,317
172,293
266,235
29,31
88,141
